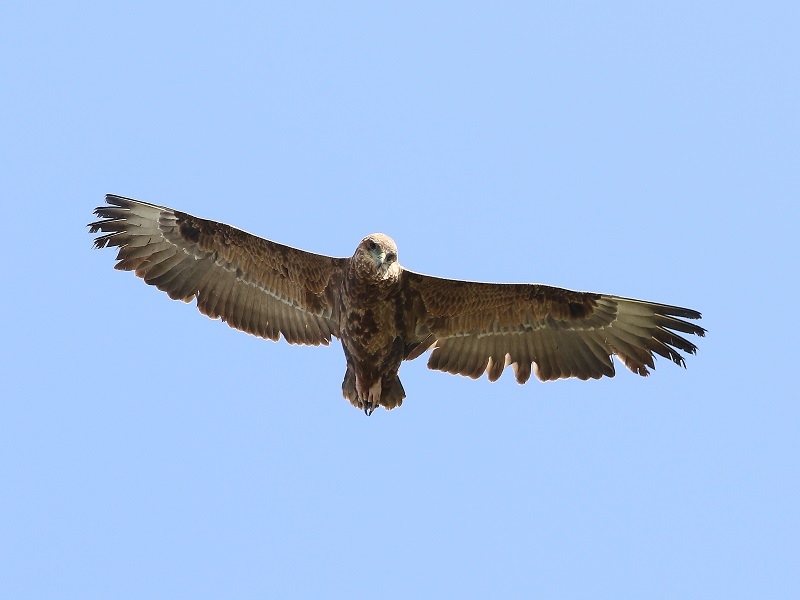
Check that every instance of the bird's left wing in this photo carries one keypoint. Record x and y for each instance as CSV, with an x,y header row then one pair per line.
x,y
255,285
484,327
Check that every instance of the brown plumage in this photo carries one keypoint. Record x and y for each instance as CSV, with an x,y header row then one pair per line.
x,y
384,314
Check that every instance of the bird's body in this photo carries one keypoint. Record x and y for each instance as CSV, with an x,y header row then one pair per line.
x,y
371,327
384,314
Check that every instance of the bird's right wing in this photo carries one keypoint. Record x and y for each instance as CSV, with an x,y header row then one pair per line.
x,y
255,285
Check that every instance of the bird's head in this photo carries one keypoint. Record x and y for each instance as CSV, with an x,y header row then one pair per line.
x,y
377,253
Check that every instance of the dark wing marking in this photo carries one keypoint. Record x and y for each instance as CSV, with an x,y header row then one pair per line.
x,y
255,285
484,327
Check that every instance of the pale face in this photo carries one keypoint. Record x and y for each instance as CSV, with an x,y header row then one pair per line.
x,y
380,251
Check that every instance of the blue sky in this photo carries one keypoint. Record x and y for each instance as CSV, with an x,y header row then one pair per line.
x,y
641,150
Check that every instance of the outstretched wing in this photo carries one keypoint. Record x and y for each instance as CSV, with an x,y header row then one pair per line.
x,y
253,284
484,327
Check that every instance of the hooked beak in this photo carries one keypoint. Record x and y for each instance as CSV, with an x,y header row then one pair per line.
x,y
380,260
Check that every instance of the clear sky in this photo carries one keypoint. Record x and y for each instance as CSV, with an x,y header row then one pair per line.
x,y
642,149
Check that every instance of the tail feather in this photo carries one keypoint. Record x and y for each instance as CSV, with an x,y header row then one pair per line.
x,y
391,395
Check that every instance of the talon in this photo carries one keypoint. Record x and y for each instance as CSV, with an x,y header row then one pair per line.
x,y
368,409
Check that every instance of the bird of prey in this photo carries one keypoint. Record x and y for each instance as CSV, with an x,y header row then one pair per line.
x,y
383,313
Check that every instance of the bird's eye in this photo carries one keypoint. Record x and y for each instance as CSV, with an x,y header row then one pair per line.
x,y
371,245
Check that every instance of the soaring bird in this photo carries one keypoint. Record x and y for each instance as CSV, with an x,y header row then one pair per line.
x,y
383,313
